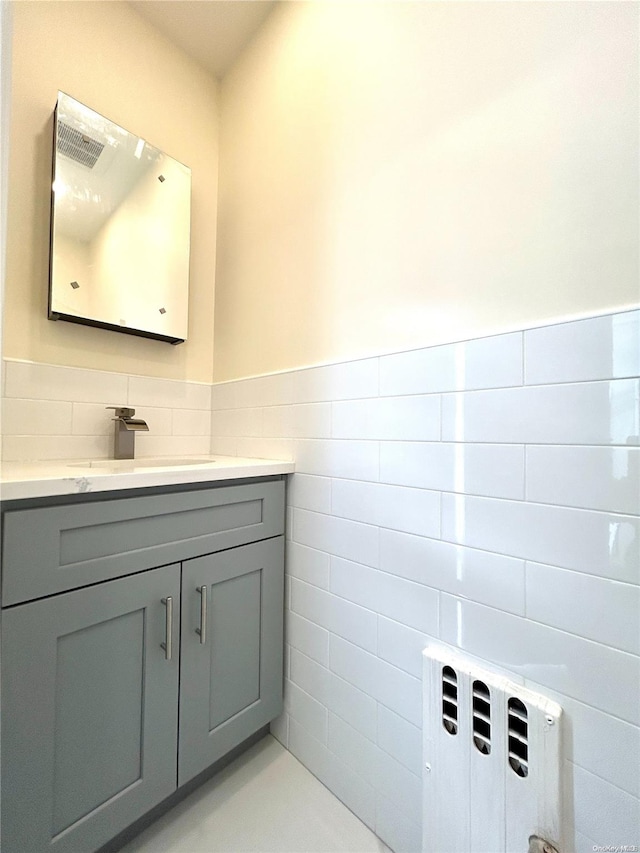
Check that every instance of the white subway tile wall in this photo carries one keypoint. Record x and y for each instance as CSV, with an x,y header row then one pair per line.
x,y
51,412
486,494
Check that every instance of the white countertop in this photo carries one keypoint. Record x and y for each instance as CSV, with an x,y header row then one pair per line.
x,y
19,480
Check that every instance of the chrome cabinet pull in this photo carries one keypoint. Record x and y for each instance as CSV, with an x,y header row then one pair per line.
x,y
168,628
202,630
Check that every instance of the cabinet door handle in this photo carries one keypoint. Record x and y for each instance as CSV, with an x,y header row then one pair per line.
x,y
168,628
202,630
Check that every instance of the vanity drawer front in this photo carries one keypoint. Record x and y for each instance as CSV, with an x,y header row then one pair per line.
x,y
53,549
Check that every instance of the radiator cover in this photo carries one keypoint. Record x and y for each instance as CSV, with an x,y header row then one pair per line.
x,y
491,770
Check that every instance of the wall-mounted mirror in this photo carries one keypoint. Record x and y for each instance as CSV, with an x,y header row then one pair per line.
x,y
120,227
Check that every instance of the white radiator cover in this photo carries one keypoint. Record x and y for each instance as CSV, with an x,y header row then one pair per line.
x,y
475,801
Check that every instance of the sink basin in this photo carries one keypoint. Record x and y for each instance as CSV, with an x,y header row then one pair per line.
x,y
127,464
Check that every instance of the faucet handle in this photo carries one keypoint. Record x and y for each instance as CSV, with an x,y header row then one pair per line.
x,y
539,845
122,411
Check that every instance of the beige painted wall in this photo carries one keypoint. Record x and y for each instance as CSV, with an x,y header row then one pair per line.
x,y
402,174
5,112
106,56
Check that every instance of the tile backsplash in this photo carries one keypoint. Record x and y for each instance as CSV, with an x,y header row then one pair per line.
x,y
51,412
485,493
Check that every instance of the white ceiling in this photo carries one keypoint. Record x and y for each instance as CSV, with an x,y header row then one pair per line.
x,y
213,32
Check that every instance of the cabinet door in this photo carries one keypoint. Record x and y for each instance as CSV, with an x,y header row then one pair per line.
x,y
231,678
89,724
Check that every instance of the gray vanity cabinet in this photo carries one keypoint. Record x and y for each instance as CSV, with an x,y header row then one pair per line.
x,y
89,712
231,646
162,654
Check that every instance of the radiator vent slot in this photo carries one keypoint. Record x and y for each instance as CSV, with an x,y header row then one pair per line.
x,y
77,146
450,700
482,717
518,733
492,758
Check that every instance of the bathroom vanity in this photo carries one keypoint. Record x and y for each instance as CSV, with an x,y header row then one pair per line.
x,y
141,641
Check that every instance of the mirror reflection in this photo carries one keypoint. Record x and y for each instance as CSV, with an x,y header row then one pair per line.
x,y
120,226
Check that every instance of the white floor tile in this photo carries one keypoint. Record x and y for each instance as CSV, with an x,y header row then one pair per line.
x,y
265,801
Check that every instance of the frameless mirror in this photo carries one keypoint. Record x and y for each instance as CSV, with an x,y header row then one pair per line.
x,y
120,228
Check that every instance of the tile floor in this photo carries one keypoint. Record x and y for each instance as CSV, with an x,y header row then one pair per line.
x,y
265,802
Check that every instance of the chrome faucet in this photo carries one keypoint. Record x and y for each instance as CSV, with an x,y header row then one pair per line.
x,y
126,427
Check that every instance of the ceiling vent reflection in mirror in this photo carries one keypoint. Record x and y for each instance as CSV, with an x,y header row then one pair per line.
x,y
77,146
120,229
